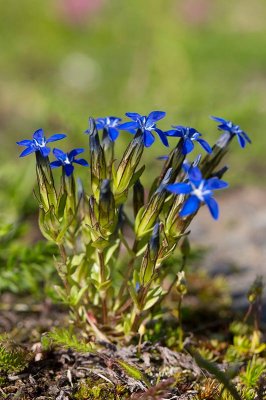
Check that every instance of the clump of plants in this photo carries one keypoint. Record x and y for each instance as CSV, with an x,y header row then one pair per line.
x,y
115,236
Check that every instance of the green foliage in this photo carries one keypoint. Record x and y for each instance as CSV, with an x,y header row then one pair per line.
x,y
254,370
98,388
13,358
245,345
66,338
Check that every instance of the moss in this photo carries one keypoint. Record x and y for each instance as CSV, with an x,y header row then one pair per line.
x,y
93,389
13,358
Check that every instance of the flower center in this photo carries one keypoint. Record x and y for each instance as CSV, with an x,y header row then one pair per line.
x,y
40,143
199,191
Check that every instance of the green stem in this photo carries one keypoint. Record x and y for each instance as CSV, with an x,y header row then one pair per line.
x,y
103,279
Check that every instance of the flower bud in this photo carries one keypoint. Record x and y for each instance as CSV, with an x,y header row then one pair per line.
x,y
48,196
181,284
98,163
148,215
125,176
106,204
150,256
255,290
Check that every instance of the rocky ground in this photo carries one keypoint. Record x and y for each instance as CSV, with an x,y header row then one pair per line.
x,y
236,244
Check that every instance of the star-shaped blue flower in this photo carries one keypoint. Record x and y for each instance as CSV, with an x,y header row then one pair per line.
x,y
189,135
233,129
38,143
110,125
199,191
66,160
146,124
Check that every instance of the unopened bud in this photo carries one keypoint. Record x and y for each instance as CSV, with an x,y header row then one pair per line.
x,y
125,174
98,163
255,290
147,216
181,284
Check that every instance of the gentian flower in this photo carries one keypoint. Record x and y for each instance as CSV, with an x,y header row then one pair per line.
x,y
110,125
38,143
66,160
199,191
146,124
189,135
233,130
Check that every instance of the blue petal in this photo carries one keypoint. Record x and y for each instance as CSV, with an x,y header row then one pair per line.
x,y
195,174
74,153
188,146
57,136
215,184
113,133
128,126
174,132
220,120
225,127
162,137
56,164
148,138
186,166
100,123
241,140
154,116
134,116
190,206
28,151
245,136
38,135
179,188
68,169
213,207
25,143
81,161
59,154
45,151
205,145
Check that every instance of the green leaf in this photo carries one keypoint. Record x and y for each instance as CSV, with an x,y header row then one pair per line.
x,y
133,372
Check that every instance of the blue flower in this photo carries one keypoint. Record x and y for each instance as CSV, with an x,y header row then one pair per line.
x,y
146,124
110,125
199,191
189,135
39,143
233,129
66,160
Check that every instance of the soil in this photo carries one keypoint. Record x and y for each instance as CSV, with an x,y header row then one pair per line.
x,y
236,248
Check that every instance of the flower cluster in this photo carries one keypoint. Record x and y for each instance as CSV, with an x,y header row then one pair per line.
x,y
89,227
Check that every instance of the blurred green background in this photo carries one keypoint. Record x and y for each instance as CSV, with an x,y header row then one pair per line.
x,y
65,60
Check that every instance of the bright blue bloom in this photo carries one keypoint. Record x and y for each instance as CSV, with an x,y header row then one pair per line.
x,y
39,143
146,124
66,160
199,190
233,129
189,135
110,125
